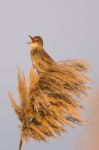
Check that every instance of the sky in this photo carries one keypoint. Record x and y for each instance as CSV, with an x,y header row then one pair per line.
x,y
70,29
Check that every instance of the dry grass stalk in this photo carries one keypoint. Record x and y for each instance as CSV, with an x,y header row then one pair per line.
x,y
48,102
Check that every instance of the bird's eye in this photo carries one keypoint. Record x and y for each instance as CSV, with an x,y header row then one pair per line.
x,y
36,40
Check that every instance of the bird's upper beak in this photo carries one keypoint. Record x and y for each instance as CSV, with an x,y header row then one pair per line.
x,y
31,39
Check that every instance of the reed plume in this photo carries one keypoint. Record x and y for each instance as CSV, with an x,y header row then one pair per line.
x,y
49,100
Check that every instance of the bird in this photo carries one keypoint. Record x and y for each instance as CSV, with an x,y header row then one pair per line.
x,y
66,74
40,58
49,99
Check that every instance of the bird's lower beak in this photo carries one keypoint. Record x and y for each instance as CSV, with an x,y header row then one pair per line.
x,y
28,42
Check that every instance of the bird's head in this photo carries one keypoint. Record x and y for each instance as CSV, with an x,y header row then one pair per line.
x,y
36,42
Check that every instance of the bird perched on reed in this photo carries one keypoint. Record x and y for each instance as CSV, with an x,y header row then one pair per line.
x,y
67,75
40,59
49,100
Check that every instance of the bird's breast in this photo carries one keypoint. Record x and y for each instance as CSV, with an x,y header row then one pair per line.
x,y
40,61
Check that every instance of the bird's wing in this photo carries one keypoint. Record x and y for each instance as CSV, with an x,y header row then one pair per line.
x,y
47,57
41,60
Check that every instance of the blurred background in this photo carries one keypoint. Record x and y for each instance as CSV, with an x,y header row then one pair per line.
x,y
70,29
89,138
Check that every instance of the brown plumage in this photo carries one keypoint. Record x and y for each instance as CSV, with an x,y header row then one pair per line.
x,y
40,58
49,100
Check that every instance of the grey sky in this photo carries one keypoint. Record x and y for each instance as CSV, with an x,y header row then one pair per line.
x,y
70,29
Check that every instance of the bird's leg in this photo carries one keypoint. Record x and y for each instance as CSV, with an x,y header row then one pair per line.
x,y
20,144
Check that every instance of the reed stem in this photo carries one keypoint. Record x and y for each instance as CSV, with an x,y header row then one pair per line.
x,y
20,144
